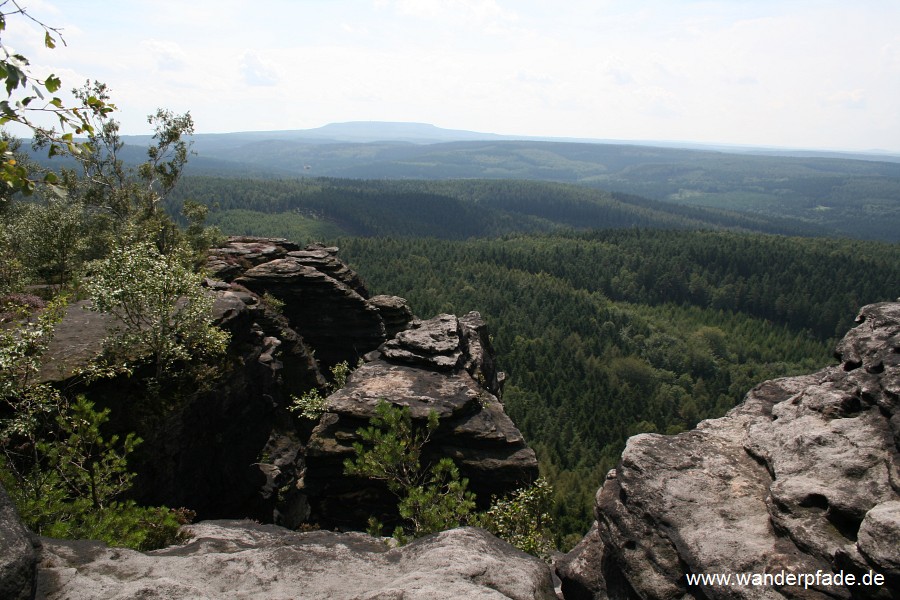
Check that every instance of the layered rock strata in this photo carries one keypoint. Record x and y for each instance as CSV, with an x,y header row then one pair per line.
x,y
445,365
803,477
324,301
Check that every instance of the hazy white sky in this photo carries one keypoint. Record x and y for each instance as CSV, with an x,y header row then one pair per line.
x,y
794,73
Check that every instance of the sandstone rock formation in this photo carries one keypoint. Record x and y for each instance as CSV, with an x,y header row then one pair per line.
x,y
229,559
18,554
235,450
444,364
324,301
802,477
203,453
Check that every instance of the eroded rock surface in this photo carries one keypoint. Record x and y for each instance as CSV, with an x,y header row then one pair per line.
x,y
228,559
445,365
803,476
395,313
323,300
18,554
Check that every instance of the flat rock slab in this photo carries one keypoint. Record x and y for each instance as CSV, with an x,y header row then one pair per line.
x,y
243,560
421,390
77,340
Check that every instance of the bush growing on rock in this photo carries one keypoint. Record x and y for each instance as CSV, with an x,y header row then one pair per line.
x,y
523,519
429,499
435,497
166,316
64,475
67,475
311,404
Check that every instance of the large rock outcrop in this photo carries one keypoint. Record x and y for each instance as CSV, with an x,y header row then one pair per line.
x,y
203,451
803,477
228,559
233,449
445,365
18,554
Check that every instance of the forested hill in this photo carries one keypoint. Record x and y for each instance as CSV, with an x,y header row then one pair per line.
x,y
856,198
613,314
459,209
831,195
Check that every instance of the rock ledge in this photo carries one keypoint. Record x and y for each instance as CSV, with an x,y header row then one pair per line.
x,y
241,559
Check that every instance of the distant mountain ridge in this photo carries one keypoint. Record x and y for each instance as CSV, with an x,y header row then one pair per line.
x,y
425,133
384,131
846,195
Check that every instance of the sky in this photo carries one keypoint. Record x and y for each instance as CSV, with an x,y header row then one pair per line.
x,y
817,74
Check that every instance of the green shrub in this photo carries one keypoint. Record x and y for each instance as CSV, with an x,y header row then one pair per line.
x,y
64,475
431,498
122,524
523,519
311,404
165,314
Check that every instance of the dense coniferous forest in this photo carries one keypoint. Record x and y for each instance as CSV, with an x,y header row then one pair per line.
x,y
611,333
612,314
447,209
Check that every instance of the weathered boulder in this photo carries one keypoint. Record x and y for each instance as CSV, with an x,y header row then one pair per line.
x,y
243,252
324,259
445,365
395,313
18,554
228,559
582,568
802,477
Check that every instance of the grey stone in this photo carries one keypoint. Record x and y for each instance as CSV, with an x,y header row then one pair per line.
x,y
244,560
879,536
423,391
434,343
18,554
444,365
333,317
581,569
394,311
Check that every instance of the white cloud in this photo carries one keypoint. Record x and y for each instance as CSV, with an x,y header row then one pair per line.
x,y
776,73
168,55
486,15
257,71
849,99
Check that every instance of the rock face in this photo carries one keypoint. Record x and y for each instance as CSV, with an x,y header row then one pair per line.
x,y
204,453
802,477
18,554
444,364
323,300
228,559
235,450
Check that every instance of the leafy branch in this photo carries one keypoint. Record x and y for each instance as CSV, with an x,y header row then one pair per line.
x,y
28,93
